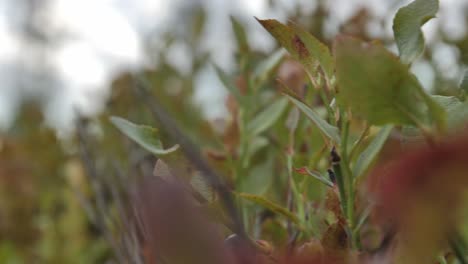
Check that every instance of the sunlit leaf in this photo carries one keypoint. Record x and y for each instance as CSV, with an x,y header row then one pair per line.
x,y
407,27
301,45
145,136
278,209
328,130
266,118
379,88
369,155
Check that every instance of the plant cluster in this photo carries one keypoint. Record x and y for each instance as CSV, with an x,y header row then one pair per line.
x,y
292,176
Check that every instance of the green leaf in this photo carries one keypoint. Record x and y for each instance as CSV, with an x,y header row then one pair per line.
x,y
145,136
228,84
407,27
457,111
241,36
265,69
302,46
255,145
278,209
328,130
266,118
259,177
379,88
315,175
369,155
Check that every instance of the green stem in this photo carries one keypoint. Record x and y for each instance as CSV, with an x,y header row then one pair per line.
x,y
349,185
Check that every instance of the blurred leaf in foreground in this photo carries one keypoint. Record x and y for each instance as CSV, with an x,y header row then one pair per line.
x,y
378,87
420,194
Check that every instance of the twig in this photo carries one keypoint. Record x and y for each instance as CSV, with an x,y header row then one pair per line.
x,y
191,152
92,173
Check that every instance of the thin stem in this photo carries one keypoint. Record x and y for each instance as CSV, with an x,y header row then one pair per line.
x,y
192,153
93,175
347,177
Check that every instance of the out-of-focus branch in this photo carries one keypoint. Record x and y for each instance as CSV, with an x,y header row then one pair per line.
x,y
191,151
93,175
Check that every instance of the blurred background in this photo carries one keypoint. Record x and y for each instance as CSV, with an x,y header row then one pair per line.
x,y
65,60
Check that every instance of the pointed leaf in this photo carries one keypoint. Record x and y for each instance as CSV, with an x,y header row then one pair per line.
x,y
270,205
328,130
228,84
316,175
267,117
301,45
369,155
407,27
266,68
145,136
240,34
378,87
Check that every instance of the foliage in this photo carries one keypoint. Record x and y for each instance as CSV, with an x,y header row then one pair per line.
x,y
327,156
369,85
407,28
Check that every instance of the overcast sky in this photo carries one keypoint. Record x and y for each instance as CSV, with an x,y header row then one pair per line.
x,y
103,37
